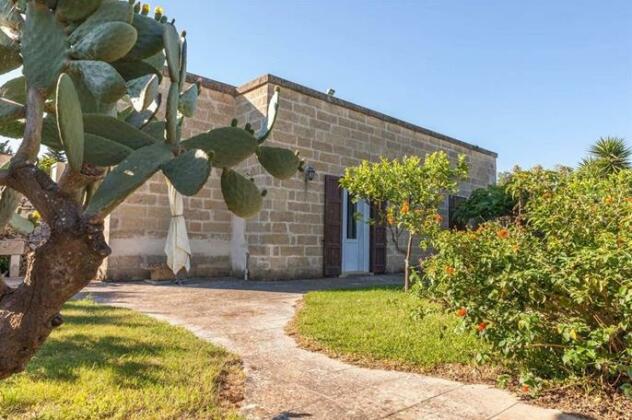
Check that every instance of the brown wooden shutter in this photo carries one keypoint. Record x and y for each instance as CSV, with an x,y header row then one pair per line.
x,y
453,202
332,239
378,245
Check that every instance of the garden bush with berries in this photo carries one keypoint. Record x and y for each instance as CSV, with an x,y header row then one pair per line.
x,y
551,289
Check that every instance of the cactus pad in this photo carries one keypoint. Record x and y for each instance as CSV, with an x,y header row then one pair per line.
x,y
230,145
130,70
10,111
241,195
279,162
189,171
73,10
125,178
173,51
143,91
156,129
268,122
15,90
9,54
43,46
116,130
13,129
70,121
103,152
107,41
188,101
100,79
108,11
149,40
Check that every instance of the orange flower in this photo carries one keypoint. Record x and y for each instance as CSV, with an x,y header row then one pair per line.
x,y
503,233
405,208
525,388
481,326
450,270
461,312
438,218
608,200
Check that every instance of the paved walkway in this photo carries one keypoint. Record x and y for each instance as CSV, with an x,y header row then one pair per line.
x,y
284,381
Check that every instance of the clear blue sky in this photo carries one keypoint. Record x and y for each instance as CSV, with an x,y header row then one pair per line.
x,y
536,81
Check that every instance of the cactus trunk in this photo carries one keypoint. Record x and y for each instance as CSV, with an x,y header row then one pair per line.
x,y
29,314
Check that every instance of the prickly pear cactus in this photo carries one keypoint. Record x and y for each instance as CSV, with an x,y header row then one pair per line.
x,y
99,64
241,195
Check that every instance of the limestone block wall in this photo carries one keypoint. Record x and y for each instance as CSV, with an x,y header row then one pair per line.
x,y
285,241
138,228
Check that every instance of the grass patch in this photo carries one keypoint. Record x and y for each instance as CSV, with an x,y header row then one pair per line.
x,y
107,362
386,327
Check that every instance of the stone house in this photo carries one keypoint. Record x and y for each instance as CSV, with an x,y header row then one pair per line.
x,y
304,229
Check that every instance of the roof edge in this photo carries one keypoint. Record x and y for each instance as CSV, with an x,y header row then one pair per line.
x,y
272,79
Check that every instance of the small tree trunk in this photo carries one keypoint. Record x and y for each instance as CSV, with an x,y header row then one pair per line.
x,y
409,249
58,270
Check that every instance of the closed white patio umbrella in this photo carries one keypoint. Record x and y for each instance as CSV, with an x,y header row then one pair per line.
x,y
177,248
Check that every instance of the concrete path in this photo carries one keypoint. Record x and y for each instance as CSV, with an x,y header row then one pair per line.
x,y
284,381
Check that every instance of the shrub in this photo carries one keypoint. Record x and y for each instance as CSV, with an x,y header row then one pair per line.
x,y
484,204
551,291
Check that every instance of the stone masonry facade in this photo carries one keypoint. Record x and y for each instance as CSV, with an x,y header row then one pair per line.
x,y
286,239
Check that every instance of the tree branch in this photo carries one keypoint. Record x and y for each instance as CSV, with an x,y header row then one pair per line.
x,y
27,153
395,234
41,191
73,183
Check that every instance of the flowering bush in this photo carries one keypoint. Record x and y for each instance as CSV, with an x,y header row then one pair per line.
x,y
551,291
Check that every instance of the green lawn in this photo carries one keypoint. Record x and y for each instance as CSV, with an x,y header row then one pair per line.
x,y
384,326
106,362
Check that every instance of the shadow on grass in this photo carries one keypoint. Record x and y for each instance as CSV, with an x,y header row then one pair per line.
x,y
126,351
62,359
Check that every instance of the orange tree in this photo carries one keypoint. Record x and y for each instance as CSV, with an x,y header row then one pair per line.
x,y
406,195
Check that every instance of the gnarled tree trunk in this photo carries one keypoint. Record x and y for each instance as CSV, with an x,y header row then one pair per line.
x,y
57,270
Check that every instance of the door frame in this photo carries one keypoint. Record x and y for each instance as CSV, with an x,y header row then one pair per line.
x,y
332,233
362,238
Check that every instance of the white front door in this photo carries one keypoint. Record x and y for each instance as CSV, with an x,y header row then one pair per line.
x,y
355,235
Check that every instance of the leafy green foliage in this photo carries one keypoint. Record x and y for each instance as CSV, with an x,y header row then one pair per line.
x,y
551,291
50,158
484,204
